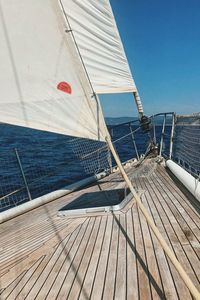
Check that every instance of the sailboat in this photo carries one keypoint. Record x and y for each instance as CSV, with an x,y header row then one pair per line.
x,y
143,241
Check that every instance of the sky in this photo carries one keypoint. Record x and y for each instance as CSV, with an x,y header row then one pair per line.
x,y
162,43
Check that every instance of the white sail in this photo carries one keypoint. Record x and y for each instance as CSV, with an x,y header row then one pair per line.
x,y
98,40
42,81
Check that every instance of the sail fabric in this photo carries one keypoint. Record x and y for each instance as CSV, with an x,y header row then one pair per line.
x,y
95,31
42,81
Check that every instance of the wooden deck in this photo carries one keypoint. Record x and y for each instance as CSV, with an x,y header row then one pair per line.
x,y
107,255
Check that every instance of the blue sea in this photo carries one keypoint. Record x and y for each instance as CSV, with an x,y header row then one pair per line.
x,y
50,161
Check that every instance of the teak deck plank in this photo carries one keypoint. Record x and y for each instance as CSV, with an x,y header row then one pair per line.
x,y
185,236
180,215
172,230
78,282
143,274
103,256
153,271
165,272
180,197
90,275
132,270
120,285
109,281
99,280
46,256
59,267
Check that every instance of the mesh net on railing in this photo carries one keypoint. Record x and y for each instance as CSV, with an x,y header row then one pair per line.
x,y
123,138
186,148
52,161
49,162
11,181
94,156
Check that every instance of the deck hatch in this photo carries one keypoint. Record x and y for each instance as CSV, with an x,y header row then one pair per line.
x,y
108,200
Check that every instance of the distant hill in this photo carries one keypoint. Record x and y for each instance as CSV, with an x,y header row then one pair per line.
x,y
115,121
119,120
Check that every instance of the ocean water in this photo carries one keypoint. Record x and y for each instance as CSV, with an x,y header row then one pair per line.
x,y
51,161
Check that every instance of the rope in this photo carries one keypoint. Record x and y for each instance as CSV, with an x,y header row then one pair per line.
x,y
158,235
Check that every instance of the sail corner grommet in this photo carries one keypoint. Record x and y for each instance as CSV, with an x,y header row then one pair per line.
x,y
68,30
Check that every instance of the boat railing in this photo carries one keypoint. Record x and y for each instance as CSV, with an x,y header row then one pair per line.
x,y
26,176
159,136
176,137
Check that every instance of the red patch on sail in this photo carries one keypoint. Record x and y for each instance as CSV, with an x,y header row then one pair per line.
x,y
64,87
